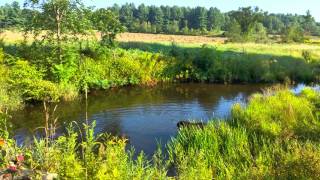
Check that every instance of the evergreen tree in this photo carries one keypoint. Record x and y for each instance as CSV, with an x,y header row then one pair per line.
x,y
215,19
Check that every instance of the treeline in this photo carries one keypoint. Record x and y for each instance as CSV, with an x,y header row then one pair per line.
x,y
186,20
247,21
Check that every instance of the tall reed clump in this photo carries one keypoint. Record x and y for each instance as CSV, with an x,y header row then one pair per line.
x,y
279,112
274,136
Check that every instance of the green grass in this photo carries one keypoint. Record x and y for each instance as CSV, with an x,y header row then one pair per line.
x,y
276,136
272,49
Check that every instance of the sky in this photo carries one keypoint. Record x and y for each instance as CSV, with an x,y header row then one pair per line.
x,y
272,6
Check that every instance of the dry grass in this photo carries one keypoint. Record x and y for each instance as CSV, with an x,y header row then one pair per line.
x,y
294,50
141,37
16,36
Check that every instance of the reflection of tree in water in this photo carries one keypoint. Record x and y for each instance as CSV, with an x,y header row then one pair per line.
x,y
106,107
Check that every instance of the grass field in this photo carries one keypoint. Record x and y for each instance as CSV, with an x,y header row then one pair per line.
x,y
14,36
162,42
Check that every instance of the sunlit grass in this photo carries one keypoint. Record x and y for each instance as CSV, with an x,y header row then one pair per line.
x,y
264,140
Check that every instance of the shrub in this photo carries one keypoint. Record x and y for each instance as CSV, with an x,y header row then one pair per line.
x,y
293,33
257,33
27,79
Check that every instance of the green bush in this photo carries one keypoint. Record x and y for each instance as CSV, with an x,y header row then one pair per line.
x,y
293,33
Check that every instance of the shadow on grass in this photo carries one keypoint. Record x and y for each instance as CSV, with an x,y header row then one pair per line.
x,y
167,48
214,64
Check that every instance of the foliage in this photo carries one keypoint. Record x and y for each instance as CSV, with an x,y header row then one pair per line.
x,y
101,157
283,114
293,33
250,148
27,79
149,19
107,24
257,33
208,64
246,147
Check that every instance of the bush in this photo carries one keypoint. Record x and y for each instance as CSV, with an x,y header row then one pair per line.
x,y
257,33
293,33
28,80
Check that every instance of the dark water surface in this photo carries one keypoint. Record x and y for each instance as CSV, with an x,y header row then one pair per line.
x,y
144,115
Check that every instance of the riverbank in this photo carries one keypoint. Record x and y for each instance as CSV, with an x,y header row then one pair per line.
x,y
274,136
35,72
281,120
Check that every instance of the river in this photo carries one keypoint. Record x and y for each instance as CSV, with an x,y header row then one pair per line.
x,y
145,115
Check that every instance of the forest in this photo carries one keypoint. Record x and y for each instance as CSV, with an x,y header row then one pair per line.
x,y
70,52
244,24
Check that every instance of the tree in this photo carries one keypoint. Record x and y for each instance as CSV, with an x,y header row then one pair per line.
x,y
176,13
257,33
246,16
115,10
309,24
126,15
215,19
234,31
55,19
10,15
108,26
173,27
293,33
273,24
143,12
201,18
156,18
166,18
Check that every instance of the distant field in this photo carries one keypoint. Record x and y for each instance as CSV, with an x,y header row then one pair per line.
x,y
14,36
162,42
140,37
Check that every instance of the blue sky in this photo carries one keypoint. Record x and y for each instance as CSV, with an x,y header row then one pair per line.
x,y
274,6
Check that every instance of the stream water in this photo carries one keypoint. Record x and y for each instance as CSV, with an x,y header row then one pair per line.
x,y
144,115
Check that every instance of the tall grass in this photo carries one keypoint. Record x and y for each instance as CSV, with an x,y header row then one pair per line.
x,y
275,136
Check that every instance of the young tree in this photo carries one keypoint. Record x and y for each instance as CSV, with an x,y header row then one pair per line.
x,y
234,32
54,18
293,33
309,24
108,25
257,33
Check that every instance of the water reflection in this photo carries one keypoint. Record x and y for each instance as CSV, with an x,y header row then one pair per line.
x,y
142,114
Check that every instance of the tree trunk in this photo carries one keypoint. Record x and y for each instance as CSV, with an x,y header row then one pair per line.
x,y
58,21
